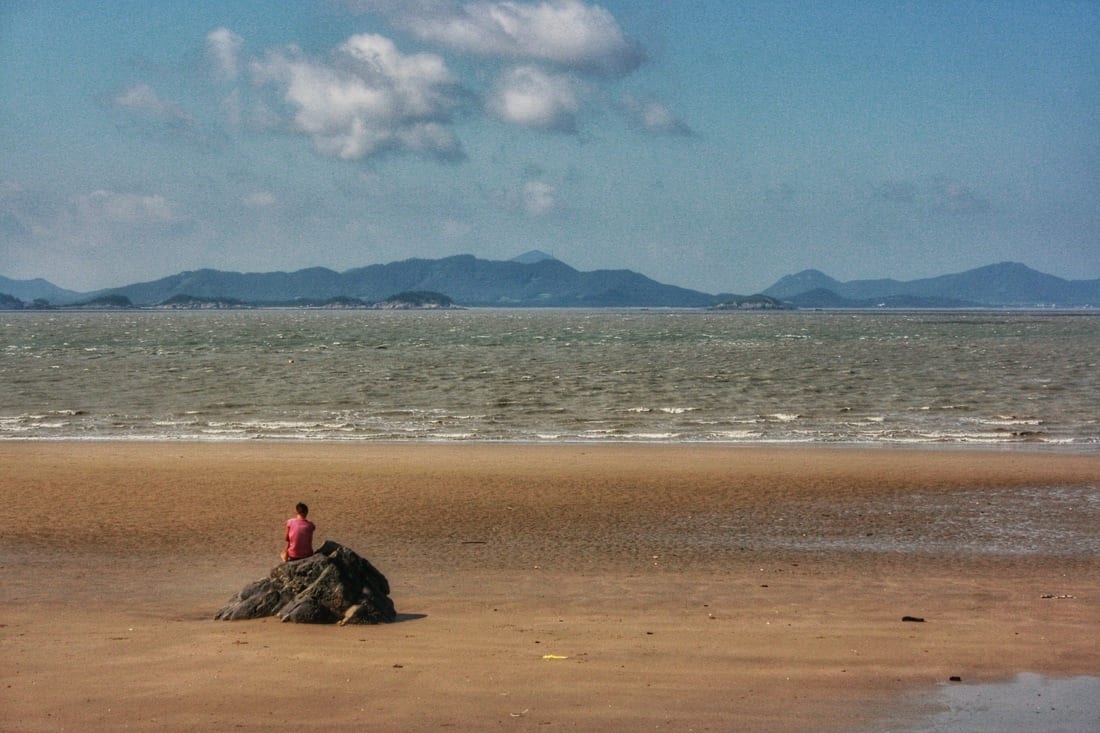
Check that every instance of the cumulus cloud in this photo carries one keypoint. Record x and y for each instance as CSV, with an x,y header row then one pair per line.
x,y
958,198
539,197
233,108
369,98
455,229
223,48
566,33
653,116
944,195
16,210
143,99
534,98
259,199
130,209
46,232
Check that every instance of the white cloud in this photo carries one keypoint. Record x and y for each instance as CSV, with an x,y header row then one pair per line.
x,y
531,97
567,33
940,195
87,240
371,98
653,116
539,197
131,209
260,116
455,229
259,200
142,98
957,198
16,209
223,47
232,107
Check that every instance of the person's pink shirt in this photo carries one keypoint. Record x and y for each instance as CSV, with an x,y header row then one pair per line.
x,y
299,537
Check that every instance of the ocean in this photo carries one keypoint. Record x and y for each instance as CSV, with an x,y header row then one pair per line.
x,y
899,378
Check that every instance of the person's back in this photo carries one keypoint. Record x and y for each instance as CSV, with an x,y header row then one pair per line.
x,y
299,535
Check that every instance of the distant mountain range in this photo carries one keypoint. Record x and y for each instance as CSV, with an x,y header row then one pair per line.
x,y
1007,284
533,279
537,279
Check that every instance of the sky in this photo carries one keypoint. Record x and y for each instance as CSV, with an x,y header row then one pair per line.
x,y
709,144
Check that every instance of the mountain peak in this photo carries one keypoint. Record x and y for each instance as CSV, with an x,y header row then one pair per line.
x,y
532,256
801,282
1004,284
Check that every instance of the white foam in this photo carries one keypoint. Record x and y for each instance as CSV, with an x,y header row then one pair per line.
x,y
1009,420
737,434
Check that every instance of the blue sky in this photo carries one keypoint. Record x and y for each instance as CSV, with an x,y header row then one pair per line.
x,y
713,145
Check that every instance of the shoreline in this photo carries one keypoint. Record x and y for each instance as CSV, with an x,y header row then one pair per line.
x,y
1021,446
676,580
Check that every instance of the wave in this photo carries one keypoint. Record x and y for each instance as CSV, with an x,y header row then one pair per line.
x,y
558,376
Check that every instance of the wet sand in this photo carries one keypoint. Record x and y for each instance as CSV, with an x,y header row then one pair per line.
x,y
672,587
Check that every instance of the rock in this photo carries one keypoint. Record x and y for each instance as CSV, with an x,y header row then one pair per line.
x,y
306,610
335,585
913,619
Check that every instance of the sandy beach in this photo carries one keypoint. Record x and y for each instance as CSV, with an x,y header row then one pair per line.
x,y
575,587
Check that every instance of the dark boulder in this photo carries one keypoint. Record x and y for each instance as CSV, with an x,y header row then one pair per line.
x,y
335,585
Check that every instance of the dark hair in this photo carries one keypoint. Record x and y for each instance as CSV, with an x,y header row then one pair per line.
x,y
301,509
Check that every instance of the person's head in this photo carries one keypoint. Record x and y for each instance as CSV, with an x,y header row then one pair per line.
x,y
302,509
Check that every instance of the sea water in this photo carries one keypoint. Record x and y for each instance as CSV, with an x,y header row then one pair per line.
x,y
1025,704
985,378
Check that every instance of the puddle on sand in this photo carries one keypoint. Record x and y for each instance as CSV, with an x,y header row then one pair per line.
x,y
1028,703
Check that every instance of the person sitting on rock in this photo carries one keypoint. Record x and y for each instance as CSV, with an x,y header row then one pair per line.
x,y
299,535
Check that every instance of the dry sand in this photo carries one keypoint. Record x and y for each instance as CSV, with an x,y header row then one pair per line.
x,y
683,587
